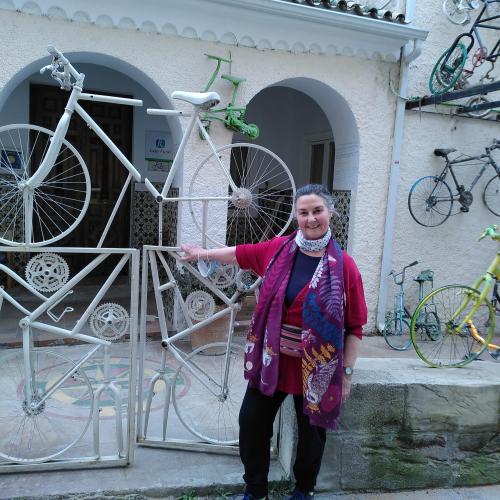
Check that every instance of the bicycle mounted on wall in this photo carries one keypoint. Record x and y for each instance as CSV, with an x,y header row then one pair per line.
x,y
231,115
458,11
449,68
431,199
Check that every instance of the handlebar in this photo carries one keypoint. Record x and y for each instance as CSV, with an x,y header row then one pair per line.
x,y
494,145
61,69
401,273
491,231
218,58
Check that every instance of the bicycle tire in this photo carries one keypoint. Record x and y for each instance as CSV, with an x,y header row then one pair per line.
x,y
475,101
430,201
454,14
454,347
444,77
491,195
211,416
399,341
59,202
35,436
260,208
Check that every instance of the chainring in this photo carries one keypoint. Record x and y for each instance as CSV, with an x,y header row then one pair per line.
x,y
200,305
47,272
109,321
466,199
224,275
245,280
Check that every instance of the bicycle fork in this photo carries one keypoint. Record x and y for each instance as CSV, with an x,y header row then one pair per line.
x,y
33,402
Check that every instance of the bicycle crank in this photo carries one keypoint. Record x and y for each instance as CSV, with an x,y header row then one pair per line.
x,y
465,199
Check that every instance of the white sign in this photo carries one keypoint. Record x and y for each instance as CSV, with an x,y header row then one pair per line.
x,y
158,146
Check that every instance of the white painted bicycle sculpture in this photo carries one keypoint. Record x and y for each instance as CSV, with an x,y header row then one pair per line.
x,y
46,195
45,190
41,387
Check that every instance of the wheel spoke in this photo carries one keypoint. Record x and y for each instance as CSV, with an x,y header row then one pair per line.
x,y
59,201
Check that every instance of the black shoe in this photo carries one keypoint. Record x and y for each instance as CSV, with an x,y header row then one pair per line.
x,y
300,495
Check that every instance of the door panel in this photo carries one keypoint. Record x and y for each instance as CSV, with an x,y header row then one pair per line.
x,y
106,172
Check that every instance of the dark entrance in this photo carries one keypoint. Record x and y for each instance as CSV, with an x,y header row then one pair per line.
x,y
106,172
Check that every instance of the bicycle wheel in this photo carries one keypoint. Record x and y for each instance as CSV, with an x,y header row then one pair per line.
x,y
491,195
455,14
475,101
397,333
445,75
430,201
208,410
59,202
41,433
454,345
261,206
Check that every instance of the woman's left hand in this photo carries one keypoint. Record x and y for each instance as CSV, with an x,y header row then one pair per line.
x,y
346,388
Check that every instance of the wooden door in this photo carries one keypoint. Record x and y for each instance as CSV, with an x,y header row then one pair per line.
x,y
106,172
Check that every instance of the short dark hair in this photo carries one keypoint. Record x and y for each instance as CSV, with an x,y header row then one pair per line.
x,y
318,190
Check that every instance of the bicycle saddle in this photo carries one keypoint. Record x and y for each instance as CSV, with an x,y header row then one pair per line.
x,y
426,275
197,98
444,152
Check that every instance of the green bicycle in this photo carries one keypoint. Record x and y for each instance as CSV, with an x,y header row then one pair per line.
x,y
466,319
231,115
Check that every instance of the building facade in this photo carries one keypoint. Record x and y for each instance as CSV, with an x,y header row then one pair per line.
x,y
321,84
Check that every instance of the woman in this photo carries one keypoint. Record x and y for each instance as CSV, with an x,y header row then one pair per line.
x,y
303,339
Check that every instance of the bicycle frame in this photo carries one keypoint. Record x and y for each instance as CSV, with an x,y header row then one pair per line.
x,y
34,395
473,35
30,320
72,106
169,341
154,257
449,167
484,285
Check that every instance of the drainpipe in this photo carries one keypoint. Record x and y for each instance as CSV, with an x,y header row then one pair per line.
x,y
409,10
408,53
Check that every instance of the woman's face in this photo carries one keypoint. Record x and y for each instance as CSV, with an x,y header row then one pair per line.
x,y
313,216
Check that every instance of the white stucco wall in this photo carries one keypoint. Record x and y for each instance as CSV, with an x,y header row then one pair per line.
x,y
179,63
451,249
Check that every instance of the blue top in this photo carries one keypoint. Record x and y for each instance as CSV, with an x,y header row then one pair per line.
x,y
302,272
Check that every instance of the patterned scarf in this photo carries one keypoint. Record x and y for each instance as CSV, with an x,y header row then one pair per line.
x,y
312,245
322,333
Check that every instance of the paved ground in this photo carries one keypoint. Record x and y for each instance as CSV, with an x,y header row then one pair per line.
x,y
157,473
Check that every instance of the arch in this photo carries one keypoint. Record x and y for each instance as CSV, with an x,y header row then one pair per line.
x,y
338,112
152,93
318,108
110,62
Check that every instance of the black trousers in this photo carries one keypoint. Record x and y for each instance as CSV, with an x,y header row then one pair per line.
x,y
257,415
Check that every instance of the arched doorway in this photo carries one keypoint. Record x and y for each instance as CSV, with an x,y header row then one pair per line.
x,y
312,128
33,98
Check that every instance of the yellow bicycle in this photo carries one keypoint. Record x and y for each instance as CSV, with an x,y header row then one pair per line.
x,y
466,319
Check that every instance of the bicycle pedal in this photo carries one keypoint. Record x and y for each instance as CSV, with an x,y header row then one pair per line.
x,y
464,209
